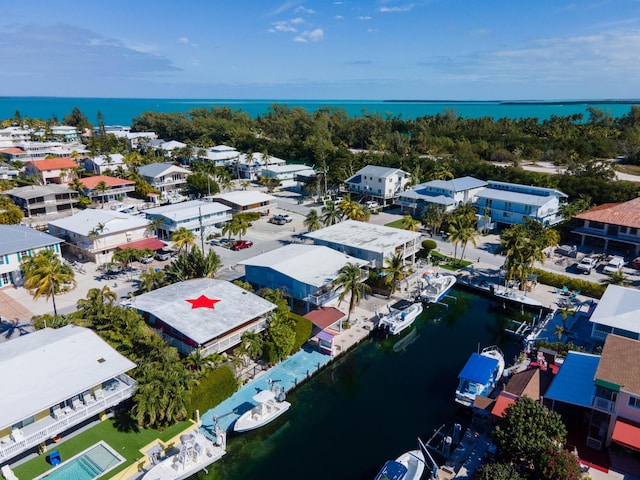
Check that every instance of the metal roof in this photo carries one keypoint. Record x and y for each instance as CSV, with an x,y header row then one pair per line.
x,y
236,307
85,221
49,366
514,197
186,210
244,197
573,384
619,307
17,238
157,169
376,171
456,185
34,191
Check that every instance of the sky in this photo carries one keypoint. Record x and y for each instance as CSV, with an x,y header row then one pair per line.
x,y
297,49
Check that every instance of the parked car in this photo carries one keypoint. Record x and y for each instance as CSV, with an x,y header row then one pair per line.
x,y
147,259
614,265
163,254
371,205
287,218
241,244
277,220
587,264
567,250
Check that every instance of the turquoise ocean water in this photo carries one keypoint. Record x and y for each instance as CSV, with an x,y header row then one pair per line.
x,y
121,111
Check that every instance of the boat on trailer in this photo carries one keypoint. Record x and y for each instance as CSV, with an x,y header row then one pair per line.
x,y
401,316
480,375
435,287
270,404
196,453
408,466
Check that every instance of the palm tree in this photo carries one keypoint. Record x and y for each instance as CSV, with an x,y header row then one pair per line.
x,y
410,223
433,218
154,225
125,256
241,225
76,185
312,221
395,270
183,239
96,231
331,214
97,301
151,279
46,274
456,228
440,172
251,345
100,188
350,280
229,228
615,278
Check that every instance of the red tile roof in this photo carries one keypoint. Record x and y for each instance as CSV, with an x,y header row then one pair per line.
x,y
152,243
12,151
54,164
502,402
324,317
92,182
625,214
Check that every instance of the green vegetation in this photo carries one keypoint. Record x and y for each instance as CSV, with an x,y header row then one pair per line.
x,y
45,274
120,432
585,287
395,224
10,213
351,282
303,328
448,263
213,388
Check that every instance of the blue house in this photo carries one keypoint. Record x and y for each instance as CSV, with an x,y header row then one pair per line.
x,y
445,194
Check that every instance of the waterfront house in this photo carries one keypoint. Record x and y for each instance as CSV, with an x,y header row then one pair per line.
x,y
447,195
17,242
250,166
378,183
11,136
618,311
367,241
41,200
532,382
304,273
94,234
510,203
63,133
194,215
205,314
611,226
53,381
52,170
245,201
136,139
167,178
116,188
100,164
220,155
288,175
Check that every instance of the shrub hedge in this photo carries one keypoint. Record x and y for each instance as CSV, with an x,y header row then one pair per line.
x,y
214,387
303,329
429,244
585,287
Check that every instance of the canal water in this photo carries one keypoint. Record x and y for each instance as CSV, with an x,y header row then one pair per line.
x,y
372,404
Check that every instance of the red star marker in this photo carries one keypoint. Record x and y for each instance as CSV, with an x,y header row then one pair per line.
x,y
203,302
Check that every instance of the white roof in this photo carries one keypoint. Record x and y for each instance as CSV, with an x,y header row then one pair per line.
x,y
85,221
49,366
514,197
619,307
287,168
310,264
365,236
244,197
17,238
190,209
153,170
236,307
101,160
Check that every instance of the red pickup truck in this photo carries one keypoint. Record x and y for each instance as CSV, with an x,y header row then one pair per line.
x,y
240,244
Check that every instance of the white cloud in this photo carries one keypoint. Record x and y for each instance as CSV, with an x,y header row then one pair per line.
x,y
297,20
310,36
363,17
282,26
339,17
302,9
183,40
480,32
403,8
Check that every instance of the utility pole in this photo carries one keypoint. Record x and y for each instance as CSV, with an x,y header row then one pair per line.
x,y
201,228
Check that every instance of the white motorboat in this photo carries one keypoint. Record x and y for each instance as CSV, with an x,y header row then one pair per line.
x,y
408,466
270,405
518,299
400,317
434,287
196,453
480,375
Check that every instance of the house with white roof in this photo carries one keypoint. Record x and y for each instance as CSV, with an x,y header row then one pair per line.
x,y
288,174
618,311
378,183
135,138
510,203
11,136
220,155
167,178
447,195
204,314
367,241
305,273
245,201
250,166
101,163
41,200
194,215
18,242
54,380
95,233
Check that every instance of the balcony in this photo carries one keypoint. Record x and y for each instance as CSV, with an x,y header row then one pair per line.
x,y
322,296
602,404
114,392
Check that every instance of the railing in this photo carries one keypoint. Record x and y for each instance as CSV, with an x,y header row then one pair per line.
x,y
10,448
322,298
602,404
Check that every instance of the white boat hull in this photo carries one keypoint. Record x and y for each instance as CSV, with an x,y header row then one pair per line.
x,y
399,320
517,298
414,461
467,391
436,288
260,415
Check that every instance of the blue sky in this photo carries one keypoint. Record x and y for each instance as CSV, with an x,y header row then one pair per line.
x,y
385,49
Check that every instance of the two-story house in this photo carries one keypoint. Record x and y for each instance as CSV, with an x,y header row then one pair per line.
x,y
444,194
288,175
306,273
101,163
196,216
40,200
55,380
96,233
18,242
611,226
510,203
378,183
250,166
115,188
52,170
167,178
618,311
245,201
220,155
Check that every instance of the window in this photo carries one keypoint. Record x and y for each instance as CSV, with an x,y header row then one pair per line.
x,y
5,279
1,259
634,402
25,253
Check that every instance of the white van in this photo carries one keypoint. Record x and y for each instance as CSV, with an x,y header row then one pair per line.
x,y
614,265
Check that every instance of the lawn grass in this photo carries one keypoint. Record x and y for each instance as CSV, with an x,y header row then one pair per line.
x,y
627,168
126,443
394,224
448,263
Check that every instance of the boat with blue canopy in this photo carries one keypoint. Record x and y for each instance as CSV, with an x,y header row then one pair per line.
x,y
480,375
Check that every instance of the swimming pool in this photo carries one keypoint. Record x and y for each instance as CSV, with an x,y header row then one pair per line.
x,y
87,465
